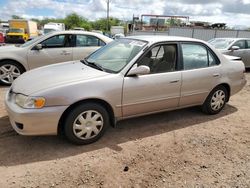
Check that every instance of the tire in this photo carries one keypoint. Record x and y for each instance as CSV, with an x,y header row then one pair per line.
x,y
215,101
86,123
9,71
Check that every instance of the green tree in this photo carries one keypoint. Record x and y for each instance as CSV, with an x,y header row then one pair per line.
x,y
16,17
173,22
74,20
101,24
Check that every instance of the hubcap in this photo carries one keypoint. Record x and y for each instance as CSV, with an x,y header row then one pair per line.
x,y
8,73
218,100
88,125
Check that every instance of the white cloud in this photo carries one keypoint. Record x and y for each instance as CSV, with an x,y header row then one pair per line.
x,y
234,12
246,1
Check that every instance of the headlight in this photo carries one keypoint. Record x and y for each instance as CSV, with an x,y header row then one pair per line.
x,y
29,102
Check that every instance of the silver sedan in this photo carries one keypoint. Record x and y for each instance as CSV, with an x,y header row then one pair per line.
x,y
128,77
239,47
54,47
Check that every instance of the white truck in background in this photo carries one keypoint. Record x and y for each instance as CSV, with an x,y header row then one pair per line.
x,y
4,27
49,27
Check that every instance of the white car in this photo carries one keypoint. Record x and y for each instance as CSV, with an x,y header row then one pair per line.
x,y
52,48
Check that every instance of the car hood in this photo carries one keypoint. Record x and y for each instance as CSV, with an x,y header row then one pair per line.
x,y
223,50
53,76
7,49
232,57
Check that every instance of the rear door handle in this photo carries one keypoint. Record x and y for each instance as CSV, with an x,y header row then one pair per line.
x,y
216,75
174,81
65,53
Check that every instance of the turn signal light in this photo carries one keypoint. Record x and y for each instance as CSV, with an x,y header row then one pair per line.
x,y
39,103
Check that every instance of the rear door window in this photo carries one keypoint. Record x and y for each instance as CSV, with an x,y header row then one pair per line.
x,y
87,40
197,56
248,44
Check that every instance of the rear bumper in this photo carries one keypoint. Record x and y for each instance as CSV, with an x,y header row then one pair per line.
x,y
237,86
34,121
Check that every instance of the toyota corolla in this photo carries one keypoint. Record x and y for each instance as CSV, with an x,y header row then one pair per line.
x,y
129,77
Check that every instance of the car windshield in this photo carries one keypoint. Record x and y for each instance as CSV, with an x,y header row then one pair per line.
x,y
221,43
14,30
116,55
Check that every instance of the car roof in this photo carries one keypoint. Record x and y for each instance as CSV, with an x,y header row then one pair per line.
x,y
160,38
72,32
80,32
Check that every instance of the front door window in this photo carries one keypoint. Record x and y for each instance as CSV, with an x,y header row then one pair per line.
x,y
160,59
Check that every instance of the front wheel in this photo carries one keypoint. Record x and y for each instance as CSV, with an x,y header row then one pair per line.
x,y
86,123
9,71
216,100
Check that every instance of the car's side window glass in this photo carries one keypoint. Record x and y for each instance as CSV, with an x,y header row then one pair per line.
x,y
81,40
155,51
160,59
57,41
212,60
92,41
101,43
194,56
241,44
248,44
160,53
86,40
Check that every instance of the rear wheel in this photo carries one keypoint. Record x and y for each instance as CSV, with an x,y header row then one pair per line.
x,y
86,123
216,100
9,71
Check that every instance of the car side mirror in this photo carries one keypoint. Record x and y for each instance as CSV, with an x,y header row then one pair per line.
x,y
141,70
38,47
233,48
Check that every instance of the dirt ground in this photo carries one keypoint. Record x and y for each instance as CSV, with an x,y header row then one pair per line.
x,y
183,148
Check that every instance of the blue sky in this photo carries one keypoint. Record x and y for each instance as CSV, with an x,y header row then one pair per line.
x,y
233,12
40,12
36,11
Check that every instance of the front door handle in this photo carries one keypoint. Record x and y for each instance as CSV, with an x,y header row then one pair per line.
x,y
174,81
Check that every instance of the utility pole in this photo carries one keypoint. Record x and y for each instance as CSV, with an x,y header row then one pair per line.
x,y
108,1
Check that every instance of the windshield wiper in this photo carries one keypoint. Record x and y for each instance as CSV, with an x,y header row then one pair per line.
x,y
92,64
84,62
96,65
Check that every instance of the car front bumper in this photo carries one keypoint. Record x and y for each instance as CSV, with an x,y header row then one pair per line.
x,y
33,121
